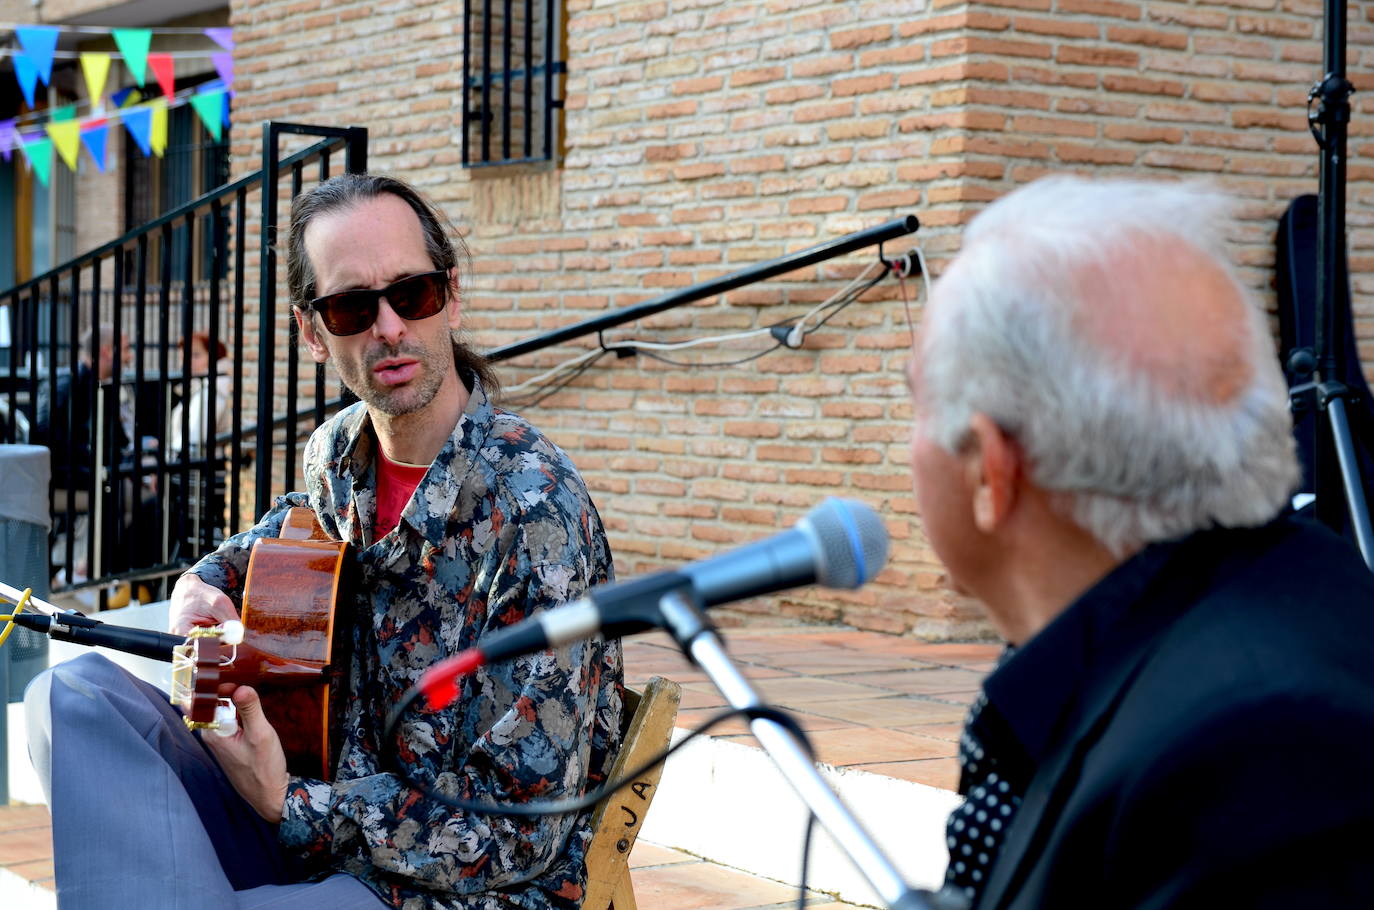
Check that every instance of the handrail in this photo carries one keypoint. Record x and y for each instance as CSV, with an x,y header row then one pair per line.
x,y
228,189
789,263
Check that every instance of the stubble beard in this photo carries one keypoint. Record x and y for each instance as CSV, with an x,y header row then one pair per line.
x,y
407,399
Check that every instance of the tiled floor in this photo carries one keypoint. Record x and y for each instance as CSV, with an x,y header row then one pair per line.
x,y
886,705
892,706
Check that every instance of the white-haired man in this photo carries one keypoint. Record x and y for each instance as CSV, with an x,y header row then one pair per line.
x,y
1102,455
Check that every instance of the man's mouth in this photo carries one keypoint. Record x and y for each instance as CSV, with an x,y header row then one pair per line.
x,y
395,370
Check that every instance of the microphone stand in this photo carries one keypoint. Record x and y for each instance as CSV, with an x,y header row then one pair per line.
x,y
694,634
1329,124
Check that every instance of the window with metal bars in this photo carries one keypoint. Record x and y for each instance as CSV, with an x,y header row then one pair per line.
x,y
513,67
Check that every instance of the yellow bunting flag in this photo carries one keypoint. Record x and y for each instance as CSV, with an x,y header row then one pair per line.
x,y
66,137
95,67
159,133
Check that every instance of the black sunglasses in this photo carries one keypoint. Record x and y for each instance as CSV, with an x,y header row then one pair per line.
x,y
350,312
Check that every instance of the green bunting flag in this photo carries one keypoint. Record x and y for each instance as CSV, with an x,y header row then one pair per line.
x,y
39,153
133,43
210,107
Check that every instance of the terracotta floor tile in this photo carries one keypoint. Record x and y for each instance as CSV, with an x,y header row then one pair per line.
x,y
12,817
689,720
943,681
647,854
829,661
803,691
935,772
950,732
702,886
866,745
706,697
39,871
891,711
25,845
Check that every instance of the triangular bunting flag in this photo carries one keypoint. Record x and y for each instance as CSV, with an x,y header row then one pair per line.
x,y
224,37
210,107
39,152
9,138
158,140
133,43
38,42
126,97
224,65
164,69
27,73
139,122
226,109
66,136
65,112
96,68
95,135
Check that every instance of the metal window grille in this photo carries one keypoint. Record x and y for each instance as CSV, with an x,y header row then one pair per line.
x,y
513,67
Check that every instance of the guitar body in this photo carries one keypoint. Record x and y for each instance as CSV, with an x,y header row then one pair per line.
x,y
297,649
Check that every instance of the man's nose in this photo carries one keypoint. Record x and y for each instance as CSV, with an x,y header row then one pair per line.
x,y
389,327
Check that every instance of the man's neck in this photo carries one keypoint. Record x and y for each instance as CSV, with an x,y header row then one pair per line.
x,y
417,437
1055,565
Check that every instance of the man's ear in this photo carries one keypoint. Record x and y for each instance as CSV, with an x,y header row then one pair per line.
x,y
993,462
305,321
455,301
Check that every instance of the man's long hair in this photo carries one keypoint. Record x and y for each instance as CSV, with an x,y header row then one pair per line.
x,y
445,248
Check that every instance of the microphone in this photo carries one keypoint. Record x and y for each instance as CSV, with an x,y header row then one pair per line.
x,y
82,630
839,544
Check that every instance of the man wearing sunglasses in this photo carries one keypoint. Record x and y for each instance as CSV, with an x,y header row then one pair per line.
x,y
464,519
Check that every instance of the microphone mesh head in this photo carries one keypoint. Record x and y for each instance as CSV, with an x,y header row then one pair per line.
x,y
852,540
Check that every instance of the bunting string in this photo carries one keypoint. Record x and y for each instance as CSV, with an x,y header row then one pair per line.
x,y
61,131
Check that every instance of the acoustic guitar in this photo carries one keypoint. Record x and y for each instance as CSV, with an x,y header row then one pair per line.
x,y
295,649
292,645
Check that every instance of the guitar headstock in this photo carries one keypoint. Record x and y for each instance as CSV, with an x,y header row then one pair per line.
x,y
197,673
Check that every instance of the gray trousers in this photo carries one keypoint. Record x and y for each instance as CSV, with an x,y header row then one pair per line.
x,y
143,817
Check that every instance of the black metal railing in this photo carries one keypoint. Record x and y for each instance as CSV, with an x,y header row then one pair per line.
x,y
512,52
148,442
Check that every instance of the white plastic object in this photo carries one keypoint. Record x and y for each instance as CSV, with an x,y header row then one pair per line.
x,y
231,632
226,719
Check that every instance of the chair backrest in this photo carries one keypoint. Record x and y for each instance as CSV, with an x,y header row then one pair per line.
x,y
618,818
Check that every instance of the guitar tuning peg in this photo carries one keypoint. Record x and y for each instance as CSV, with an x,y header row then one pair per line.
x,y
226,719
231,632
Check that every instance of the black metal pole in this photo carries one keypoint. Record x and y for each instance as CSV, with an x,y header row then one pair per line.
x,y
267,316
846,244
1336,470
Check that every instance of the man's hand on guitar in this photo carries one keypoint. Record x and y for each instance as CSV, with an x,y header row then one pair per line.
x,y
253,758
195,603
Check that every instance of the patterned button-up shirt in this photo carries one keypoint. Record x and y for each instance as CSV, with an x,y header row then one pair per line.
x,y
501,527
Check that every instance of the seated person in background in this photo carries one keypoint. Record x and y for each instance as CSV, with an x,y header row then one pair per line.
x,y
65,415
1102,454
205,505
204,429
465,519
65,422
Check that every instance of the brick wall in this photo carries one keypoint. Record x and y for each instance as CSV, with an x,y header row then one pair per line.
x,y
705,136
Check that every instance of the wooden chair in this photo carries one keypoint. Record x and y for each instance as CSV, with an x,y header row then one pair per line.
x,y
618,818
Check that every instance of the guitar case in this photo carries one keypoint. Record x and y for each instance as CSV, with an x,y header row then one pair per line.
x,y
1296,276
